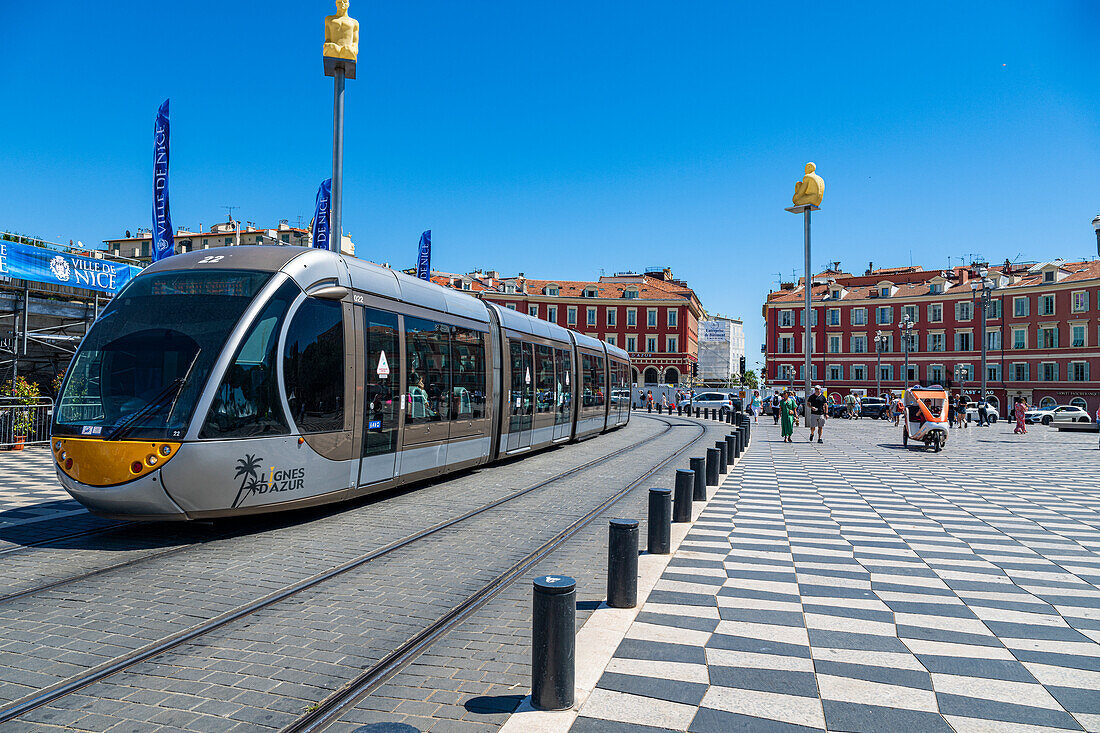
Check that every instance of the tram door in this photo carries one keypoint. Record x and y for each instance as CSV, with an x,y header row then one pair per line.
x,y
563,411
520,394
381,395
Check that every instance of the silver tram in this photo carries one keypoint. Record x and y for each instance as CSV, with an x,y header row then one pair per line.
x,y
255,379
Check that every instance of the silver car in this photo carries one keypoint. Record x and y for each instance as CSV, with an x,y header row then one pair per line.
x,y
1061,413
720,401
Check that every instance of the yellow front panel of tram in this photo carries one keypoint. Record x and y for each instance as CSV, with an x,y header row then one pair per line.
x,y
96,462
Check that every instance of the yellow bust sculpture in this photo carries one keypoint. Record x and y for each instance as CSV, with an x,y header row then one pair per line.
x,y
341,34
810,189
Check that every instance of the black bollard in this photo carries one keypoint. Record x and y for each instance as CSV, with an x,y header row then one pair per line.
x,y
712,466
679,410
553,642
729,418
659,528
659,408
696,412
681,503
733,446
723,459
699,468
622,563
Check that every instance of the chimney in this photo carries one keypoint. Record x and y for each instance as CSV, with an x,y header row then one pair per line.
x,y
964,276
870,268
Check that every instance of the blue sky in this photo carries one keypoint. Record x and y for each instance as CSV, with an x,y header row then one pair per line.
x,y
562,139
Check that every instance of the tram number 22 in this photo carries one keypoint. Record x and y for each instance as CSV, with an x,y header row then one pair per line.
x,y
210,259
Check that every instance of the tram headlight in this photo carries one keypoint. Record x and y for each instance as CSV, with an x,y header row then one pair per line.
x,y
135,467
57,445
151,459
64,455
165,450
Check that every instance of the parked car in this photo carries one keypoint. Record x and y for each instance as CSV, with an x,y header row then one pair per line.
x,y
1058,413
991,412
874,408
723,402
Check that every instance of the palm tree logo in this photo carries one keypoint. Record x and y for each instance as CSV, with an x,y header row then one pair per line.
x,y
246,468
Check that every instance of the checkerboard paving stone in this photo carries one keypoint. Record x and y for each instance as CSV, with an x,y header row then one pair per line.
x,y
29,490
853,586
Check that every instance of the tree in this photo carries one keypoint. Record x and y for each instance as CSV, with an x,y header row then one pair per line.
x,y
750,379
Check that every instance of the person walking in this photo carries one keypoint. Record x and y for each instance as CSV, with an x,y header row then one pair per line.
x,y
898,410
817,409
649,400
788,410
755,405
1097,418
776,401
952,405
1020,409
983,413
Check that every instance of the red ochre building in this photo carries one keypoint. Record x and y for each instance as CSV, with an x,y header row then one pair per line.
x,y
652,315
1042,331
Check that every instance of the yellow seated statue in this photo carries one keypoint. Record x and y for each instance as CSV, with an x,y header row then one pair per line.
x,y
341,34
810,189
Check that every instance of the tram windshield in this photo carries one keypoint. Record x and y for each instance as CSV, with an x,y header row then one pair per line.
x,y
144,363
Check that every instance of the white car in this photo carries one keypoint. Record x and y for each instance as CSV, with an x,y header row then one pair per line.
x,y
990,412
1061,413
714,400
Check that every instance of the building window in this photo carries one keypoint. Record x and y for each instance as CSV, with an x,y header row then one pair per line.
x,y
571,315
836,373
632,316
631,343
859,344
552,290
884,315
630,293
511,306
672,344
786,345
834,344
1021,372
1079,371
651,344
611,339
993,372
913,344
552,313
612,316
651,317
591,292
994,309
935,374
1020,307
1048,371
884,292
533,311
591,317
786,318
963,310
1046,305
964,372
935,342
1019,338
802,317
935,312
1080,301
935,289
672,318
509,289
886,372
1048,276
1048,337
1078,336
992,340
913,375
834,316
859,316
910,312
859,373
963,341
465,286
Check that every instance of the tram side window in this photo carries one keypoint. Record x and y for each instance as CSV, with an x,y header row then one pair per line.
x,y
247,401
564,383
601,381
545,393
468,374
313,366
428,353
588,381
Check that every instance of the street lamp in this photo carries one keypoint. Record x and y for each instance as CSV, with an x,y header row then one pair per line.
x,y
1096,226
880,341
984,290
905,327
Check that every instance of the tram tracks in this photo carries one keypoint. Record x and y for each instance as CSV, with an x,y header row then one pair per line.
x,y
64,688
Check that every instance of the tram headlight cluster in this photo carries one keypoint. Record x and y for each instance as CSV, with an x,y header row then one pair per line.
x,y
151,459
165,450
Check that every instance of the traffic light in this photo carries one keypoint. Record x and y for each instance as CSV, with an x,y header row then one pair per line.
x,y
742,366
695,369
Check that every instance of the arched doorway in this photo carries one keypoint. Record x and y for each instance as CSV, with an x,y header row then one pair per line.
x,y
1047,402
634,375
992,399
672,375
1079,402
650,376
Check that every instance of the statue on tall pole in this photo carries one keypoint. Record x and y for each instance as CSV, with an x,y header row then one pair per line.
x,y
807,197
339,51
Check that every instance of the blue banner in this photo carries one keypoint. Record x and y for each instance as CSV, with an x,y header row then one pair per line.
x,y
424,257
163,242
24,262
322,216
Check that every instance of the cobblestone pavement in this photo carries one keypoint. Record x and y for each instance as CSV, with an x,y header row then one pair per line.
x,y
29,489
263,672
476,675
859,586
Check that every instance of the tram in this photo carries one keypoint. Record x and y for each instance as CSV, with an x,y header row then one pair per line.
x,y
256,379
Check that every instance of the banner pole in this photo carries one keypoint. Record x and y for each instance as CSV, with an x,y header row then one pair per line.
x,y
336,235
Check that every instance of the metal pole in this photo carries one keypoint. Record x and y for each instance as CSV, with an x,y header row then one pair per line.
x,y
337,157
878,364
985,306
808,334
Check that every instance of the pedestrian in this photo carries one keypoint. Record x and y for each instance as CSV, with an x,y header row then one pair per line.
x,y
983,413
1020,409
776,400
664,401
788,410
817,410
649,399
898,410
952,405
1097,416
755,405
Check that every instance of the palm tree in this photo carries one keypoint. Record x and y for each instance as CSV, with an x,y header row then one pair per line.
x,y
246,467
